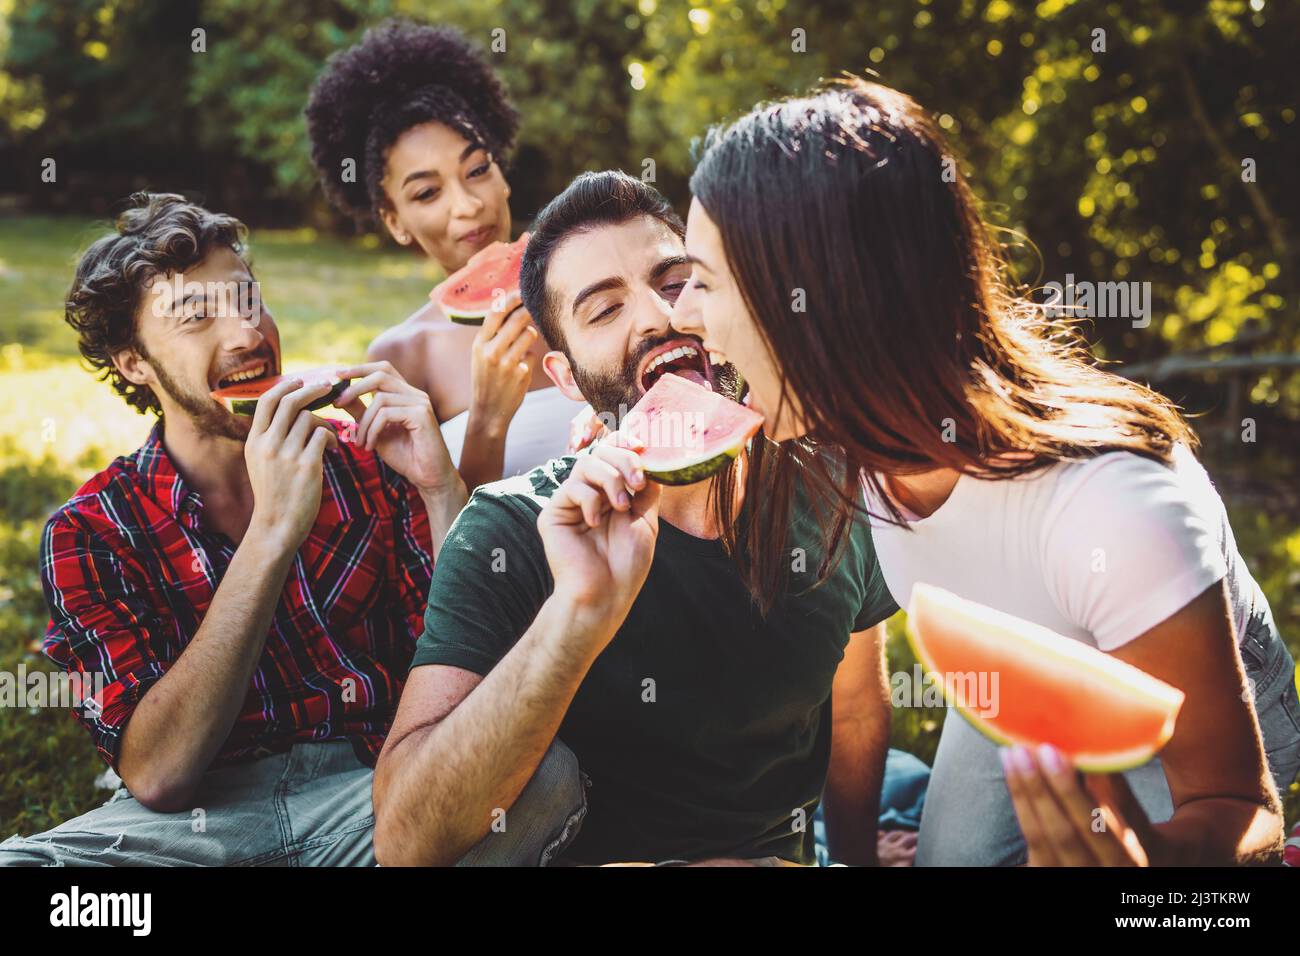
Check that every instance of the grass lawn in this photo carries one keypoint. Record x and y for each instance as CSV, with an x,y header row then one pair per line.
x,y
329,298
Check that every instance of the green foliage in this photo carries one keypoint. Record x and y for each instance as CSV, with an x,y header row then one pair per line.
x,y
1122,163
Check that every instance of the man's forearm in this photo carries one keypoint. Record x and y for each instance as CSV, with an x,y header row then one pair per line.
x,y
178,727
436,788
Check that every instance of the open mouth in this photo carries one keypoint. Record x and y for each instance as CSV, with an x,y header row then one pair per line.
x,y
684,357
246,373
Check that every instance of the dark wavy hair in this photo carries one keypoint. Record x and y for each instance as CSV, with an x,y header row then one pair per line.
x,y
155,235
401,74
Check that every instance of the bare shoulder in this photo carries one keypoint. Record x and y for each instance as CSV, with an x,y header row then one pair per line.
x,y
420,345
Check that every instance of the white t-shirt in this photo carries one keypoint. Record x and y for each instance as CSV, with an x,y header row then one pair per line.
x,y
1099,550
538,432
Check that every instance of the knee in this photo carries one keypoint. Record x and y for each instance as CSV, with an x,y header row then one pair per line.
x,y
21,851
558,778
543,820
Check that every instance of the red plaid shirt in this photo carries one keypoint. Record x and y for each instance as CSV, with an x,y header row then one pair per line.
x,y
129,570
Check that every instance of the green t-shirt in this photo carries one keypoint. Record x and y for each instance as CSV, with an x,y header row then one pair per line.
x,y
703,726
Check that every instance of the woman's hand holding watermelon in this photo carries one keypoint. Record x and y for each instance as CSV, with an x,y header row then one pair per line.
x,y
399,426
499,366
599,531
1068,824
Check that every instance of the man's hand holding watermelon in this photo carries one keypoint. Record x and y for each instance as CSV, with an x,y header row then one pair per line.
x,y
399,425
283,453
599,531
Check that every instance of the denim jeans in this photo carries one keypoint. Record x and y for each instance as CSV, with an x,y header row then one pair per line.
x,y
309,806
969,819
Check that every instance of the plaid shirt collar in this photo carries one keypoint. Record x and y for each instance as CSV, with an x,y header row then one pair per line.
x,y
162,482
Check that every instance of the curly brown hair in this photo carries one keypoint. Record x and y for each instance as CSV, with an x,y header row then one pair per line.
x,y
155,235
401,74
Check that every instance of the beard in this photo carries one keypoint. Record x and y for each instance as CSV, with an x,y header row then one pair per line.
x,y
205,414
612,392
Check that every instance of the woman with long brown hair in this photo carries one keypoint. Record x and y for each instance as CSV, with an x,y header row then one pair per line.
x,y
841,264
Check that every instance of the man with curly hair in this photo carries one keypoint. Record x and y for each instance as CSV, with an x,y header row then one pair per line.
x,y
244,593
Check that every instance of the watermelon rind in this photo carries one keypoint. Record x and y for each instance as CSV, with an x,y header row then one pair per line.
x,y
467,318
1110,762
690,474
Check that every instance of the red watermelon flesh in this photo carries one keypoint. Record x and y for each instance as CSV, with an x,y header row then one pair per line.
x,y
466,296
1021,683
690,432
241,398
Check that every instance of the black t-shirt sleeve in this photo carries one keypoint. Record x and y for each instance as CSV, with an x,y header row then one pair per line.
x,y
489,582
878,604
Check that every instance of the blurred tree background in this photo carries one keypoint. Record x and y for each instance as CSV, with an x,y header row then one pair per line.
x,y
1147,141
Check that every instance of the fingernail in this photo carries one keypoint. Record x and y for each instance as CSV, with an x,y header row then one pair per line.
x,y
1021,759
1051,758
623,499
1004,754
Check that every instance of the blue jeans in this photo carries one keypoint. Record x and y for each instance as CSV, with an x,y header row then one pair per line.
x,y
969,819
309,806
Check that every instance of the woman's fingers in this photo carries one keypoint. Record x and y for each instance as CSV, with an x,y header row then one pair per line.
x,y
492,323
521,346
1111,792
506,307
1018,767
1081,812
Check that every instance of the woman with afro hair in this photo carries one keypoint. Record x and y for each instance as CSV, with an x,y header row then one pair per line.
x,y
427,127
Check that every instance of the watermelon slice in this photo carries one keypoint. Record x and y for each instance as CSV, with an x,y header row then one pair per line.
x,y
466,295
241,398
690,432
1101,713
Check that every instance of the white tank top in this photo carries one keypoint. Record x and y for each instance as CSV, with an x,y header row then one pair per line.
x,y
538,432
